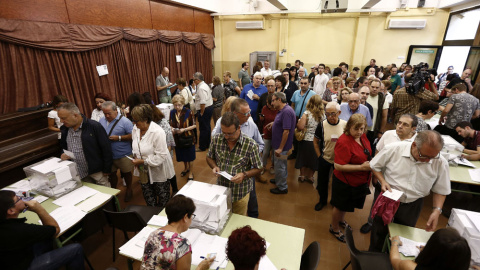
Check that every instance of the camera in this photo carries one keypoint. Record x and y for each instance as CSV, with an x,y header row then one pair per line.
x,y
420,75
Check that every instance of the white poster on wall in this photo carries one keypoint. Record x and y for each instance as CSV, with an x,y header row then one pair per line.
x,y
102,70
179,58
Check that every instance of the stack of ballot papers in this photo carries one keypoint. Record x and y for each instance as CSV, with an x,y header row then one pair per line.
x,y
409,247
213,204
66,217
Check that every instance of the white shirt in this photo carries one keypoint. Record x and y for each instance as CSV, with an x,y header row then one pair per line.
x,y
97,115
203,96
320,84
416,179
266,72
153,147
390,137
373,101
54,115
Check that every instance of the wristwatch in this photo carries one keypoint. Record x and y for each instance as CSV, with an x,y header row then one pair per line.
x,y
437,208
245,175
119,138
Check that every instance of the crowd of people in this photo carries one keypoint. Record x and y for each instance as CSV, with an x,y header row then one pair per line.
x,y
334,122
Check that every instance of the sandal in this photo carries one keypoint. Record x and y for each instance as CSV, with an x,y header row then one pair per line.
x,y
344,224
190,178
301,178
184,173
339,235
309,179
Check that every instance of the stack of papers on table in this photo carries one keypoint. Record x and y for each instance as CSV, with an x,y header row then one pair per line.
x,y
67,216
134,248
458,160
75,196
409,247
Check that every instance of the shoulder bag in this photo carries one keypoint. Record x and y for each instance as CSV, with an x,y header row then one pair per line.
x,y
300,134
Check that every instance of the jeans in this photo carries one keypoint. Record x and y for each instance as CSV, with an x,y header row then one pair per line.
x,y
70,256
205,129
252,203
281,172
323,177
267,150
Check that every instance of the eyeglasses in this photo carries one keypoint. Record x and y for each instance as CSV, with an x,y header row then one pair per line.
x,y
245,114
229,134
420,156
193,216
353,101
331,114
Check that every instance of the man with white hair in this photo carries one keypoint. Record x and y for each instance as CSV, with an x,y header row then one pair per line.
x,y
252,92
266,70
301,73
353,107
326,136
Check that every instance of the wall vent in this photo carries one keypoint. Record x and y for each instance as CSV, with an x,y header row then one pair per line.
x,y
249,25
407,24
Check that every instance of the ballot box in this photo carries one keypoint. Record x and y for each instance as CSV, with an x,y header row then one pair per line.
x,y
53,177
213,205
467,223
165,108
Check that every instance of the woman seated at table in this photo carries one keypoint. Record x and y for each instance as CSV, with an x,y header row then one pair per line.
x,y
166,248
351,175
245,248
445,250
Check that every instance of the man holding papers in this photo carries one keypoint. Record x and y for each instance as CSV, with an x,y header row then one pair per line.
x,y
28,246
415,168
233,152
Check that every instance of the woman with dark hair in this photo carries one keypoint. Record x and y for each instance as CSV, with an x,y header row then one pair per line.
x,y
192,86
152,159
445,250
293,75
428,109
97,113
166,248
133,100
54,122
148,98
245,248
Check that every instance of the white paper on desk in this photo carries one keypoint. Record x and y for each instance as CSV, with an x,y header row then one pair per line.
x,y
40,198
159,221
462,161
266,264
67,216
475,218
134,248
76,196
198,191
394,195
250,94
409,247
206,244
474,174
68,153
22,185
93,202
226,175
62,175
48,166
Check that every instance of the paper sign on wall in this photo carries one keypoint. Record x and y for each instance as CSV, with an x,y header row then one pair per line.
x,y
102,70
179,58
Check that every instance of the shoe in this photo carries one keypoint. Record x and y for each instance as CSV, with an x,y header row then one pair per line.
x,y
344,224
124,183
272,170
259,179
190,178
272,181
291,156
278,191
366,228
319,206
184,173
301,179
309,179
339,235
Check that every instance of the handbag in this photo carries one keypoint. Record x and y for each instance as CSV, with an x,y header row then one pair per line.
x,y
300,134
184,140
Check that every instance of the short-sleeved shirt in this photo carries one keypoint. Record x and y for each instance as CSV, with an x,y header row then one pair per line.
x,y
218,93
162,81
347,112
124,127
473,143
348,151
328,135
464,106
389,137
163,249
243,157
244,77
329,95
311,126
54,115
422,125
396,82
229,89
285,120
203,96
373,101
404,103
253,103
298,98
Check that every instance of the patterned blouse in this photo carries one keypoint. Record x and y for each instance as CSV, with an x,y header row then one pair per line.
x,y
184,120
311,126
163,249
168,131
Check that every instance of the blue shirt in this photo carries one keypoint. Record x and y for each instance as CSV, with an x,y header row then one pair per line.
x,y
248,129
346,112
124,127
253,103
297,98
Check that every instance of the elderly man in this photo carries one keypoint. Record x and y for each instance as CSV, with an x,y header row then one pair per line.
x,y
266,70
326,136
321,80
203,105
28,246
252,92
235,153
405,131
89,143
119,130
243,77
380,112
415,168
302,72
353,106
163,86
230,86
263,98
464,79
283,128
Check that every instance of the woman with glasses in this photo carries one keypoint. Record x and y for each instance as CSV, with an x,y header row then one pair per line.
x,y
331,93
351,176
166,248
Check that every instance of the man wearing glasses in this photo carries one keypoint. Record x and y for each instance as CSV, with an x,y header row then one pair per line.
x,y
415,168
352,107
235,153
28,246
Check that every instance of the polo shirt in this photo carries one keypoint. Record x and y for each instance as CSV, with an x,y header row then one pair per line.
x,y
244,77
122,128
396,82
473,143
347,112
285,120
253,103
298,98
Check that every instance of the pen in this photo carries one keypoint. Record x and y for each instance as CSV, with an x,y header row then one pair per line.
x,y
218,267
202,257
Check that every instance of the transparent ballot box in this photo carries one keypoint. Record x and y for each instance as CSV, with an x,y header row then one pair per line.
x,y
467,223
53,177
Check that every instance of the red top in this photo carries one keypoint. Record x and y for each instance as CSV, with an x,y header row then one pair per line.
x,y
269,117
348,151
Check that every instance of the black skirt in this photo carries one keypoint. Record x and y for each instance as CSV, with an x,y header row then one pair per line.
x,y
345,197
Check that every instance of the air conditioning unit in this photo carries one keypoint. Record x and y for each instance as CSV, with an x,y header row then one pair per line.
x,y
249,25
407,24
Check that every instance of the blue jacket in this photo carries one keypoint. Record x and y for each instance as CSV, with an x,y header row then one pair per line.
x,y
96,146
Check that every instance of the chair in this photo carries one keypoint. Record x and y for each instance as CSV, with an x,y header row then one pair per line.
x,y
365,260
310,257
133,219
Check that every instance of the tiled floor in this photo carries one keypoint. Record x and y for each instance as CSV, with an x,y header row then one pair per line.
x,y
294,209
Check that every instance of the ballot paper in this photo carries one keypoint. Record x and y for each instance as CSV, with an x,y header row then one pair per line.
x,y
134,248
159,221
266,264
198,191
250,94
63,175
48,166
474,174
75,196
226,175
203,244
40,198
409,247
68,153
67,216
394,195
93,202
